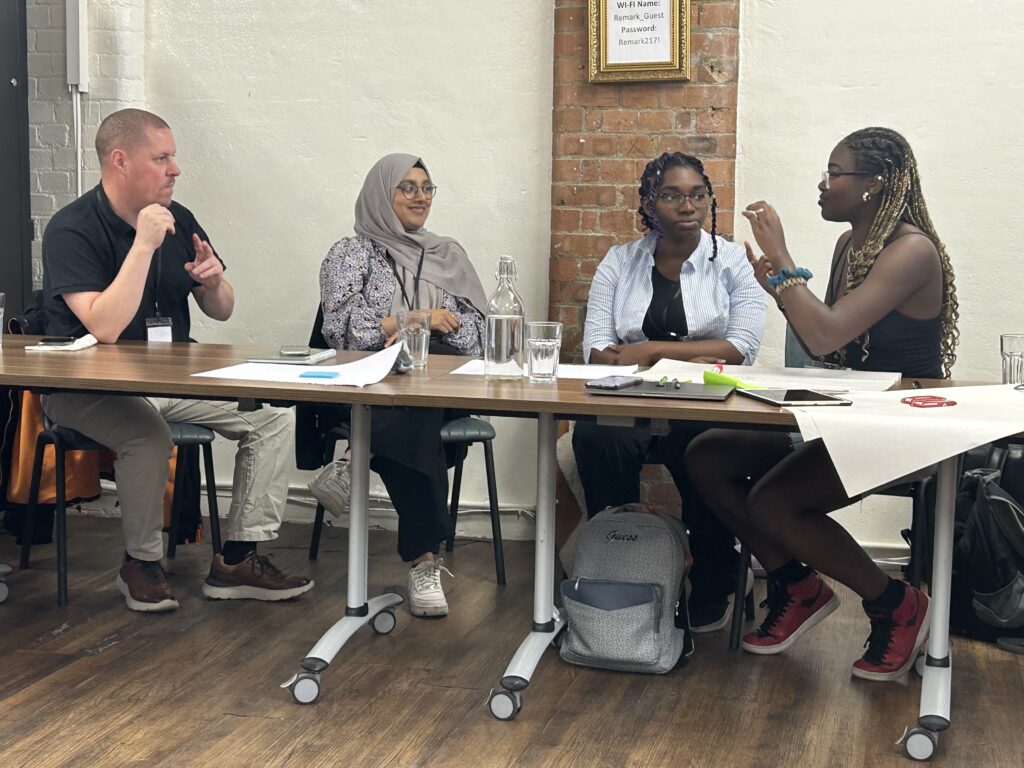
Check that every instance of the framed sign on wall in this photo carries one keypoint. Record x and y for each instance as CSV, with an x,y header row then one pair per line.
x,y
631,40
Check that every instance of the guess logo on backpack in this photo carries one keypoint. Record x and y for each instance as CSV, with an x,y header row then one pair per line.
x,y
616,536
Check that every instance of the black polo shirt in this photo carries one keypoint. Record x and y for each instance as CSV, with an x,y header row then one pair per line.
x,y
84,247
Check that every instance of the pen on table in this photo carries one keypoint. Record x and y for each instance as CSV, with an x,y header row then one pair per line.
x,y
917,384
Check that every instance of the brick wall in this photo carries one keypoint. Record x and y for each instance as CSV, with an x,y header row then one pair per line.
x,y
117,69
604,134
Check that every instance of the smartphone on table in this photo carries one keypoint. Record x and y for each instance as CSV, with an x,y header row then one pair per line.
x,y
614,382
294,351
56,341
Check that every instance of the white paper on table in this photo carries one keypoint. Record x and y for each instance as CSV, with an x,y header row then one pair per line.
x,y
82,342
590,372
879,438
360,373
766,376
565,371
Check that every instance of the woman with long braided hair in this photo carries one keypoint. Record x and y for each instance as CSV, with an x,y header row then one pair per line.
x,y
680,293
891,306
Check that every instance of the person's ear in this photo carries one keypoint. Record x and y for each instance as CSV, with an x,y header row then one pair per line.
x,y
876,185
119,161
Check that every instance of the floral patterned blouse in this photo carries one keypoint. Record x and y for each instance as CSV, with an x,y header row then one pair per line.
x,y
357,288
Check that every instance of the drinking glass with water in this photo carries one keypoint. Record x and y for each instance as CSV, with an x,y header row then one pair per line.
x,y
1011,347
414,330
543,345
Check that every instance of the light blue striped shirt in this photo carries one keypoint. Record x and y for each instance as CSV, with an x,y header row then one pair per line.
x,y
721,298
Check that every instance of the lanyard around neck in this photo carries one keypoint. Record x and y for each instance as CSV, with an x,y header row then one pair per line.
x,y
415,281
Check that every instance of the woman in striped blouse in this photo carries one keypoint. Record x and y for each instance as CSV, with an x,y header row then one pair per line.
x,y
680,293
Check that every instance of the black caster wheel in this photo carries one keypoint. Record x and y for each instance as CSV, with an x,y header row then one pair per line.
x,y
505,705
384,622
304,687
3,591
919,743
919,665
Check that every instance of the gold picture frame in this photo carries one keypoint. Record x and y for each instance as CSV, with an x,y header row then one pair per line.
x,y
636,40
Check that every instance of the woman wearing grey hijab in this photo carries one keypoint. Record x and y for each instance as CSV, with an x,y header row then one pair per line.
x,y
390,265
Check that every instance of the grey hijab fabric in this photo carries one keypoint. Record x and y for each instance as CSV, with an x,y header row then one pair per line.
x,y
445,263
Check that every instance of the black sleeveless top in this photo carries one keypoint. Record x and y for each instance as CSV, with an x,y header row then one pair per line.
x,y
896,342
666,316
900,343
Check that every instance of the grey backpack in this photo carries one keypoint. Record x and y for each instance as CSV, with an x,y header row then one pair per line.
x,y
624,593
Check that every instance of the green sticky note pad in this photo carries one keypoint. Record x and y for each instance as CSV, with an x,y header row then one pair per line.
x,y
713,377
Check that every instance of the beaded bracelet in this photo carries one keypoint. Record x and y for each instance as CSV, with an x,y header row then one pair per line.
x,y
785,274
789,282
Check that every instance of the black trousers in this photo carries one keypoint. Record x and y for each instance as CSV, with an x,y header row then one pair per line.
x,y
609,460
413,464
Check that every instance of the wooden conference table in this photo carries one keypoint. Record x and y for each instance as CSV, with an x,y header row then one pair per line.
x,y
166,370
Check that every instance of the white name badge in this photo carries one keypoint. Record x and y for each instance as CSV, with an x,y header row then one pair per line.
x,y
158,329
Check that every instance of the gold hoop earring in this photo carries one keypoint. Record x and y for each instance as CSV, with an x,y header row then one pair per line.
x,y
865,197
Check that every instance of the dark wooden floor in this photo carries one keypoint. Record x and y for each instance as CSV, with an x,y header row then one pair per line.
x,y
97,685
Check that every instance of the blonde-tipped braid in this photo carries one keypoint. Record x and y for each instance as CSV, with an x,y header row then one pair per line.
x,y
886,153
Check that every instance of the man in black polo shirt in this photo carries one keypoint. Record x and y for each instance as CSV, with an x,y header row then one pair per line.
x,y
120,263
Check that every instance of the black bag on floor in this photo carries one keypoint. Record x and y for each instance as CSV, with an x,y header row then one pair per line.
x,y
988,554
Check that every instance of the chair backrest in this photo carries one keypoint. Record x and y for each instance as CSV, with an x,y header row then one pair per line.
x,y
313,422
796,357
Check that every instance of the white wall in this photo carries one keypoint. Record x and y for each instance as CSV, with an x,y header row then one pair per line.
x,y
280,109
949,76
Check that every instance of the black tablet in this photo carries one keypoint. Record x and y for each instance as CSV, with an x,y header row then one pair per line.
x,y
785,398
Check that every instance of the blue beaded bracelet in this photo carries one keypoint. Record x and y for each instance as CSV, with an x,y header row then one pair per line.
x,y
785,274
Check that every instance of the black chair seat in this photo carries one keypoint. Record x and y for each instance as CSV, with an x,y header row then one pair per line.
x,y
66,439
190,434
75,441
468,429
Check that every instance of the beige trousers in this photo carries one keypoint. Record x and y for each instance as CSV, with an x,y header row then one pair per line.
x,y
135,428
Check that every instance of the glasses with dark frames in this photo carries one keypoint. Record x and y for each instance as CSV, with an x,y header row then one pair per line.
x,y
671,197
410,188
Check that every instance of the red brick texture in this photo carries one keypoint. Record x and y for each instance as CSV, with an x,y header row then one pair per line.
x,y
604,135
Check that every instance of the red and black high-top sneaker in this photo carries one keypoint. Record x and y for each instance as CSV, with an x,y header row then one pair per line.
x,y
895,638
792,610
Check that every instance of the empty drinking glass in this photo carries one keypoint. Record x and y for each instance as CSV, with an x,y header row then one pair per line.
x,y
1011,347
414,330
543,344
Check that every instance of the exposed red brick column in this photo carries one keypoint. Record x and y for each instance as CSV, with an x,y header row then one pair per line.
x,y
605,134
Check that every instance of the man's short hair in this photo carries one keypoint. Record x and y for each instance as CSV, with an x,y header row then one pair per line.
x,y
125,130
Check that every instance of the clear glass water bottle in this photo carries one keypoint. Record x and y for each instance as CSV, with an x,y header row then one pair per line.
x,y
503,348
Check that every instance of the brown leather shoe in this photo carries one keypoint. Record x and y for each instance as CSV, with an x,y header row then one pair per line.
x,y
144,586
255,578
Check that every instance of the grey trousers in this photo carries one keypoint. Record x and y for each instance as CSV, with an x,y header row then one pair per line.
x,y
135,428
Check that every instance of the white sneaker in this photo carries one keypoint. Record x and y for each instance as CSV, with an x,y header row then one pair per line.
x,y
426,598
331,487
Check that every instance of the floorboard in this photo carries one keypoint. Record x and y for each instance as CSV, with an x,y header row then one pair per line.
x,y
94,684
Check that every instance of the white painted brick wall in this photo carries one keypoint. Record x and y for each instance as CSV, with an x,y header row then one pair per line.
x,y
117,79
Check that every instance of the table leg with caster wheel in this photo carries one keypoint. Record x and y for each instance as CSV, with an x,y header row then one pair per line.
x,y
506,702
920,742
305,685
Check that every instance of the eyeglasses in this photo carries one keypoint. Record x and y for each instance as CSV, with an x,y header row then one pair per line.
x,y
697,198
409,189
827,176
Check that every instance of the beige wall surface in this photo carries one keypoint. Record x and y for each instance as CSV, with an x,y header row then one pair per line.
x,y
949,76
280,109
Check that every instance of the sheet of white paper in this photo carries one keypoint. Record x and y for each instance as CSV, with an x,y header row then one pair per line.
x,y
360,373
774,376
879,438
565,371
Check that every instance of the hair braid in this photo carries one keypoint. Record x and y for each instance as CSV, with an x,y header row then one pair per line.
x,y
650,183
886,153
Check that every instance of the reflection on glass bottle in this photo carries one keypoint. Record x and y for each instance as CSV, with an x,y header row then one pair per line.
x,y
503,350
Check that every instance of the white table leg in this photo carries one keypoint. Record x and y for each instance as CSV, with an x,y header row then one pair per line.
x,y
547,622
920,742
305,686
935,689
